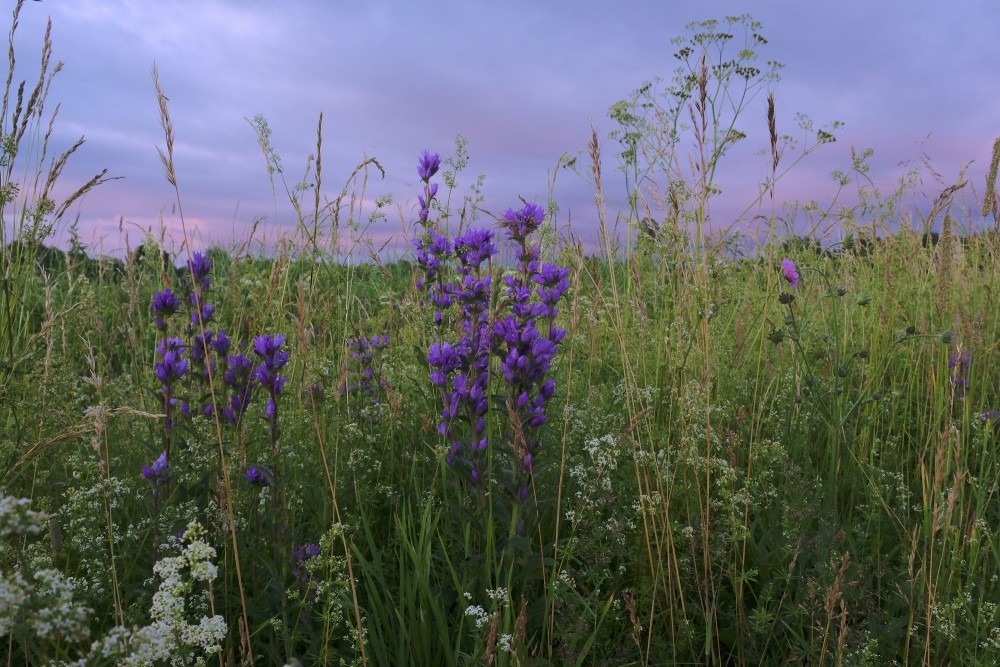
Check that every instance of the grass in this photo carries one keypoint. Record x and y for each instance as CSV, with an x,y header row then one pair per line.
x,y
733,470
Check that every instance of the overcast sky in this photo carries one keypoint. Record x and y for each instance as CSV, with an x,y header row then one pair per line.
x,y
521,81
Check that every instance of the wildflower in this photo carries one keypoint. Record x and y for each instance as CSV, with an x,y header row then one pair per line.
x,y
268,348
428,165
257,476
222,343
960,361
200,268
169,369
475,247
238,377
790,272
467,400
959,364
553,283
426,168
199,281
170,634
159,472
165,304
444,359
365,353
201,314
526,353
991,415
520,224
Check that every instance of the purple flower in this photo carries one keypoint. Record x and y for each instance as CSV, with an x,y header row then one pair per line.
x,y
475,247
200,268
428,165
790,272
202,315
238,377
519,224
268,348
222,343
991,415
159,472
961,361
445,360
257,476
366,366
165,304
172,366
200,345
303,554
526,352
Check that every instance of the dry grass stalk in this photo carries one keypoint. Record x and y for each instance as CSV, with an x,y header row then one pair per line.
x,y
491,640
38,92
990,198
521,624
773,133
10,58
167,158
834,597
944,268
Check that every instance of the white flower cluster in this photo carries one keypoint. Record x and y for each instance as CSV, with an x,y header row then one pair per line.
x,y
39,601
170,636
16,518
478,614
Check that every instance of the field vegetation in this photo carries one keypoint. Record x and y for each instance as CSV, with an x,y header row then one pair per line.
x,y
500,449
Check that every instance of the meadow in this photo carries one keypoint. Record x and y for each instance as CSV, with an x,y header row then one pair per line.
x,y
499,448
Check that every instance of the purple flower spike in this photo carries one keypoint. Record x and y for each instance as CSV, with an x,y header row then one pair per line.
x,y
268,348
200,268
519,224
222,343
171,368
257,476
165,304
428,165
790,272
159,472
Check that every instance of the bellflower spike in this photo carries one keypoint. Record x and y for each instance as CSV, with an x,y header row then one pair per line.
x,y
428,165
238,377
222,343
172,365
165,304
520,224
257,476
268,348
365,368
200,268
159,472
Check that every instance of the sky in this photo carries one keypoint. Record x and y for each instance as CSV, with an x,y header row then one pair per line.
x,y
522,81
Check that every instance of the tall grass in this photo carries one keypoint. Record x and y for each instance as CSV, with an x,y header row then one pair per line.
x,y
737,467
